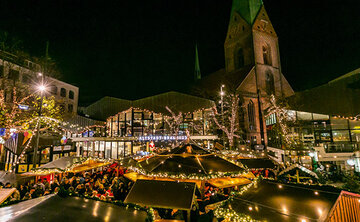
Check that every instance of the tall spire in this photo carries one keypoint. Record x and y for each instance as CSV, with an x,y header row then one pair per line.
x,y
247,9
197,73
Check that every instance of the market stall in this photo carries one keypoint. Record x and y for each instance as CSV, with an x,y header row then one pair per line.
x,y
163,194
66,164
297,173
260,166
191,163
54,208
273,201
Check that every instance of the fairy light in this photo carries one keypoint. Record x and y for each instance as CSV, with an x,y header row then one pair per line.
x,y
233,127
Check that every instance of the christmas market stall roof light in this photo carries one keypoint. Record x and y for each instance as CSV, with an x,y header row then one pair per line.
x,y
68,164
54,208
268,201
190,162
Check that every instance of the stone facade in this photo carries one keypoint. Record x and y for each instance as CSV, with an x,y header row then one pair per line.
x,y
255,43
24,73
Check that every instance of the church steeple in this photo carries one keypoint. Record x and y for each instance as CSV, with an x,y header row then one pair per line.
x,y
197,73
247,9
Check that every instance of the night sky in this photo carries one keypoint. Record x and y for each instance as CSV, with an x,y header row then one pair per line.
x,y
132,49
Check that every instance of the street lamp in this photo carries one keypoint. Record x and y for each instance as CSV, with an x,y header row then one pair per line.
x,y
222,93
42,89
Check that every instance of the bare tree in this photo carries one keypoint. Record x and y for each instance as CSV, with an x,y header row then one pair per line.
x,y
228,121
174,122
280,109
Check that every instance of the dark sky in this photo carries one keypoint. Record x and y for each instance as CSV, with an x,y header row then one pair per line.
x,y
131,49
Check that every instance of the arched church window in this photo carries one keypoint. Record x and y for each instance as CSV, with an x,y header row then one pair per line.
x,y
251,115
267,54
239,58
269,83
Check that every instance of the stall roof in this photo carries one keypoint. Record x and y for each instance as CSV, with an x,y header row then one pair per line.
x,y
271,202
71,163
62,163
162,194
188,148
54,208
185,160
261,163
296,166
7,177
346,207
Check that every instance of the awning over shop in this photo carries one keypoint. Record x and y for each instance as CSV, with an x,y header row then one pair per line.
x,y
162,194
54,208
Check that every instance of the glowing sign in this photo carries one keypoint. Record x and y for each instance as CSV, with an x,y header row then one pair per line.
x,y
157,138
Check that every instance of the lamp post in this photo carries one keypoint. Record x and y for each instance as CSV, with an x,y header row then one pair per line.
x,y
222,93
42,89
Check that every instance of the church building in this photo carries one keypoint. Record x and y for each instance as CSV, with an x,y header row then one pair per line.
x,y
252,67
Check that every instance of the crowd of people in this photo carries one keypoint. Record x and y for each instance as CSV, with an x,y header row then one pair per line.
x,y
106,184
109,184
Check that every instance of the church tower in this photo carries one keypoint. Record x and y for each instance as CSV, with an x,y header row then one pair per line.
x,y
197,73
252,43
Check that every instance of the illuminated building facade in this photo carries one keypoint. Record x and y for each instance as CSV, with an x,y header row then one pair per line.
x,y
155,121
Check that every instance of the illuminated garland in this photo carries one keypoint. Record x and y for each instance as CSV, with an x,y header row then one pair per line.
x,y
42,171
192,176
229,214
23,151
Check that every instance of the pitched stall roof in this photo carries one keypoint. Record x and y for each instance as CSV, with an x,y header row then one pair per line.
x,y
346,208
55,208
260,163
162,194
185,160
291,170
269,202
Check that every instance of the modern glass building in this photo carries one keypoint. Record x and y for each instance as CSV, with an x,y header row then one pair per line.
x,y
153,122
328,139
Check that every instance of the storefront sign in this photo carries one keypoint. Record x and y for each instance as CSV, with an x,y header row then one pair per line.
x,y
61,148
23,107
156,138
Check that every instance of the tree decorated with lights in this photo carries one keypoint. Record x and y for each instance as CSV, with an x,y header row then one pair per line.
x,y
21,115
174,122
228,121
11,117
280,109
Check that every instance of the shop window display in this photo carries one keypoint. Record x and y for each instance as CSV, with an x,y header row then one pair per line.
x,y
340,135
